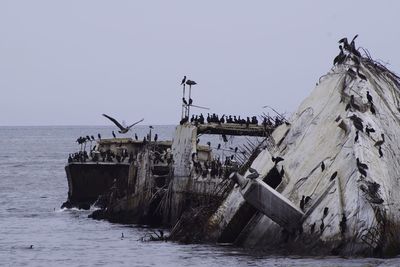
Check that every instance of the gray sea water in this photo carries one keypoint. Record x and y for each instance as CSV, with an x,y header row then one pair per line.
x,y
33,185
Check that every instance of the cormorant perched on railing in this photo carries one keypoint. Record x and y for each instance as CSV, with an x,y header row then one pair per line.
x,y
122,128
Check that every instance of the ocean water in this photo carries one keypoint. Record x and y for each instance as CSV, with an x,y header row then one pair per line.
x,y
33,185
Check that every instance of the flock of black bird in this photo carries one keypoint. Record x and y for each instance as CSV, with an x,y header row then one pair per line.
x,y
233,119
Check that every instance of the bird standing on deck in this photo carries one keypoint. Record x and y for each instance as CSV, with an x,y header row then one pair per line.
x,y
123,129
155,137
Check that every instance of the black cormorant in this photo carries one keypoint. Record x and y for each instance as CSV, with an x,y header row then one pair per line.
x,y
99,136
155,137
380,142
183,80
326,211
369,97
362,76
321,227
345,43
190,82
302,203
333,176
361,165
369,130
339,58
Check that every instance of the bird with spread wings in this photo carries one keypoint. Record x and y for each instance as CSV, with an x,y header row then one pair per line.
x,y
119,125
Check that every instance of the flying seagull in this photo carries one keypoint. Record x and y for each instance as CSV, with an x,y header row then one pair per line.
x,y
122,128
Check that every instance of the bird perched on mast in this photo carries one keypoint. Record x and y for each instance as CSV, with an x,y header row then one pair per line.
x,y
122,128
190,82
183,80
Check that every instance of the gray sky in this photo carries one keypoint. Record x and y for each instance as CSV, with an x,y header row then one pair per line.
x,y
67,62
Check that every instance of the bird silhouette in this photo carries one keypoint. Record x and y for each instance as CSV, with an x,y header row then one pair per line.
x,y
183,80
123,129
380,142
369,97
333,176
190,82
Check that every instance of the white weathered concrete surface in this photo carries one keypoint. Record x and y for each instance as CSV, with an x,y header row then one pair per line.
x,y
315,136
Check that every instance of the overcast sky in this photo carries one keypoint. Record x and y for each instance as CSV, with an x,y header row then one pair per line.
x,y
67,62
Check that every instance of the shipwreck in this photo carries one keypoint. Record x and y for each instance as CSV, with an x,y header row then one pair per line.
x,y
325,181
